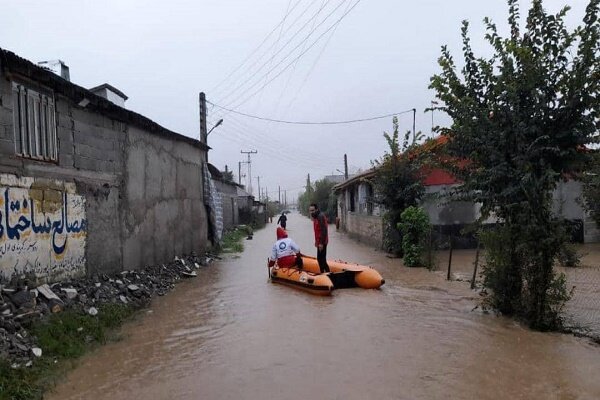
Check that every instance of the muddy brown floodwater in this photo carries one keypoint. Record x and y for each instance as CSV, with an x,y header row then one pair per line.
x,y
231,334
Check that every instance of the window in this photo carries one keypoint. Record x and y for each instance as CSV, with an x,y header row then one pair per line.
x,y
34,124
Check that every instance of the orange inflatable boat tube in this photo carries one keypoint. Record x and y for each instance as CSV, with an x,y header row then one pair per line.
x,y
315,283
345,275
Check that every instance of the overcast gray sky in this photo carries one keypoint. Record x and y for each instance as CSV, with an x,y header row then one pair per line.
x,y
377,60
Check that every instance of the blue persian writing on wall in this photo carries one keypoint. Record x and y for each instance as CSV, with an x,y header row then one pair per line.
x,y
40,233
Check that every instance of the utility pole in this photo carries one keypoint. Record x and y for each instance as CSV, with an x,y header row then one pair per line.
x,y
258,179
345,167
285,198
414,120
203,133
240,171
279,194
249,188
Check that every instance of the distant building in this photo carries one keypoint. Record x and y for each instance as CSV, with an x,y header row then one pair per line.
x,y
361,217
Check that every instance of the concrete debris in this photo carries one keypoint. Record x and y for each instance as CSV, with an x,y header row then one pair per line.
x,y
70,292
47,292
22,302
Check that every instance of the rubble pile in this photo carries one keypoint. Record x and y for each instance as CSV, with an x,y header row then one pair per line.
x,y
22,302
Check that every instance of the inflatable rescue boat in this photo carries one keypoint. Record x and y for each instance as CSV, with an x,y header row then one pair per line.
x,y
346,275
342,275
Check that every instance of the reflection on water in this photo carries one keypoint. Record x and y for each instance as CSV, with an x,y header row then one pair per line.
x,y
230,334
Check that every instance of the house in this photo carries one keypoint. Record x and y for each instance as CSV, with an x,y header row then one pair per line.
x,y
361,217
87,186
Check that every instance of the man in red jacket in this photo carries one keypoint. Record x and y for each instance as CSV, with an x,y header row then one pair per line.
x,y
321,236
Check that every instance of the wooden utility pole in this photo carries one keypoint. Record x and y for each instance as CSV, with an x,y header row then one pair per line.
x,y
345,167
279,194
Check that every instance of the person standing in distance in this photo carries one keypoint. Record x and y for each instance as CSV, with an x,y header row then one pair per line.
x,y
282,220
321,236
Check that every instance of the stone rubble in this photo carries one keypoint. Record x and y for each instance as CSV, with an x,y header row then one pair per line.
x,y
23,302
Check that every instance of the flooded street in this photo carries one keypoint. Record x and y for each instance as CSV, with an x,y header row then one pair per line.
x,y
231,334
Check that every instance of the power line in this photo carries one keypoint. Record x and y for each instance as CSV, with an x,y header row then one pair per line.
x,y
259,46
313,66
252,65
297,57
268,62
310,122
249,136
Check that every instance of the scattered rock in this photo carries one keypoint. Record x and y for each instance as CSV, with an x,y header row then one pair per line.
x,y
71,293
47,292
19,306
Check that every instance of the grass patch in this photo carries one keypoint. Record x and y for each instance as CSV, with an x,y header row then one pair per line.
x,y
232,240
63,337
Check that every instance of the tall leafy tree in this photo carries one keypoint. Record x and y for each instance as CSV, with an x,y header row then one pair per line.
x,y
521,119
397,183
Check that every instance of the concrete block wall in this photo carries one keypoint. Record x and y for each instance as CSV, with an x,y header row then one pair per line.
x,y
43,228
443,212
163,199
90,157
141,184
365,228
230,203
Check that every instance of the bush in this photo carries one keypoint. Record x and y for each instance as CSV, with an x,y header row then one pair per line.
x,y
415,227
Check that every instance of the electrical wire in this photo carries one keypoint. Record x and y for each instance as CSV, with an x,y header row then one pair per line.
x,y
297,92
250,67
281,49
214,88
352,121
289,64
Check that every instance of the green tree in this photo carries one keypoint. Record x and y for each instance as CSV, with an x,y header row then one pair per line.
x,y
324,197
322,194
397,184
415,227
520,120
